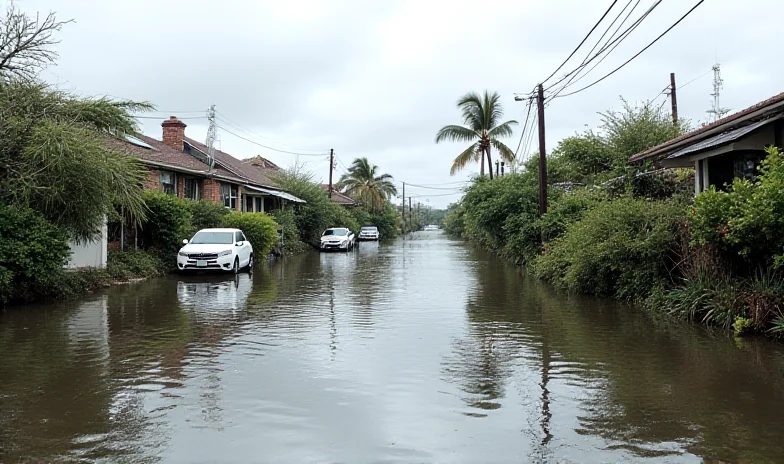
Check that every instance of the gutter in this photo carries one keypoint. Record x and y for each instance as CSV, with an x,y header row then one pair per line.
x,y
696,137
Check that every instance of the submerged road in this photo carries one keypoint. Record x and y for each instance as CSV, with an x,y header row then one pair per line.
x,y
423,350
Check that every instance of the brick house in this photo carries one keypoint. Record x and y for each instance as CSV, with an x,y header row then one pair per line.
x,y
180,166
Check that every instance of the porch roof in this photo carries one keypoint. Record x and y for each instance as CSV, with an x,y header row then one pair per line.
x,y
276,193
721,139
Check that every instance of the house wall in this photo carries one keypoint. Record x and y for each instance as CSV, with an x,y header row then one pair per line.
x,y
153,180
211,191
91,254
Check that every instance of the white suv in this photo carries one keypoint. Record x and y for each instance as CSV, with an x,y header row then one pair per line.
x,y
216,249
368,233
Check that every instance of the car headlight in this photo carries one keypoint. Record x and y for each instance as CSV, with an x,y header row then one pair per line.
x,y
224,253
183,254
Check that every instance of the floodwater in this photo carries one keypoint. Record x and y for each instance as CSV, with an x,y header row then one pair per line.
x,y
423,350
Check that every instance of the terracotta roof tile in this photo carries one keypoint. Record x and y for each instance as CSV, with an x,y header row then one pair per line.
x,y
661,148
340,198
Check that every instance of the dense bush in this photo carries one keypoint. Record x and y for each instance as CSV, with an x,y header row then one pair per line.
x,y
259,228
33,252
287,222
620,248
206,214
386,219
168,223
319,212
123,265
747,220
454,223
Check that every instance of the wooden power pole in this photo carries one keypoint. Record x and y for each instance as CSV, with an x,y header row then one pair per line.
x,y
331,168
403,210
542,154
410,214
673,100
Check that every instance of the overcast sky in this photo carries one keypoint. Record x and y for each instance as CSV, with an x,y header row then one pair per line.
x,y
378,79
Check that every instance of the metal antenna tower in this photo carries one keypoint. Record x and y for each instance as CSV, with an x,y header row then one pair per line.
x,y
716,111
211,134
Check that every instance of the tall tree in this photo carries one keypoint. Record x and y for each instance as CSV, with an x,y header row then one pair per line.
x,y
26,44
363,183
482,126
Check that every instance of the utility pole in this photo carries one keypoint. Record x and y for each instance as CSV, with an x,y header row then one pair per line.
x,y
211,134
673,100
410,214
331,168
496,168
502,168
403,210
542,154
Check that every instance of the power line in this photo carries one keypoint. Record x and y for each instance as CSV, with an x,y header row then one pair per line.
x,y
611,44
429,188
583,41
525,125
268,147
437,194
228,121
158,117
636,55
696,78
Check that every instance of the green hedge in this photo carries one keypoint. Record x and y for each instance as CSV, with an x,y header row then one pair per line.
x,y
259,228
130,264
620,248
33,252
168,223
206,214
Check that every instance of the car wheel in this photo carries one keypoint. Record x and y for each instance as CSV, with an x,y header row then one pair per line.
x,y
236,267
250,264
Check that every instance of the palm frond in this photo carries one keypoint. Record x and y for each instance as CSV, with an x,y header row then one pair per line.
x,y
454,133
502,130
471,154
505,152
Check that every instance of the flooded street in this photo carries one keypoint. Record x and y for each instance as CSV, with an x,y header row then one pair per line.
x,y
423,350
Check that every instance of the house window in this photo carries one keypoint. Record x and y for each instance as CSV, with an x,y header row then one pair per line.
x,y
248,204
259,208
229,195
169,182
192,190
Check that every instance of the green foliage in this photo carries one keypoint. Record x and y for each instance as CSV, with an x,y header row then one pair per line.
x,y
287,221
386,219
634,129
57,160
206,214
568,209
746,221
454,223
363,183
259,228
33,252
130,264
619,248
168,223
319,212
741,325
583,156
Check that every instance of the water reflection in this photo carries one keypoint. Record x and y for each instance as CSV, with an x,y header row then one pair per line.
x,y
424,350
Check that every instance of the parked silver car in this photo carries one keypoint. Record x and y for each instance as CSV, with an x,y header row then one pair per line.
x,y
337,239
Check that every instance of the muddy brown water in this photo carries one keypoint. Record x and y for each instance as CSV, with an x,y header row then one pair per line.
x,y
423,350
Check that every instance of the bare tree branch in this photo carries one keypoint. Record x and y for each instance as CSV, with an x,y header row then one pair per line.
x,y
26,43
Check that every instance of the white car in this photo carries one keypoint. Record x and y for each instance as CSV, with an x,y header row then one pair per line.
x,y
337,238
216,249
368,233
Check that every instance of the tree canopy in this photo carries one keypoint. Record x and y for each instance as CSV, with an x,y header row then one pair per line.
x,y
365,184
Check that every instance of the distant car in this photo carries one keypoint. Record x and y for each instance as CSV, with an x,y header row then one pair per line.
x,y
337,238
216,249
368,233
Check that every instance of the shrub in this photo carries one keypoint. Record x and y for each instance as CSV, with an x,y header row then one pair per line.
x,y
386,219
168,223
123,265
259,228
288,224
33,252
619,248
206,214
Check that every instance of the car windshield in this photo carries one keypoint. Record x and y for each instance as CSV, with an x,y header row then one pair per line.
x,y
370,229
216,238
340,232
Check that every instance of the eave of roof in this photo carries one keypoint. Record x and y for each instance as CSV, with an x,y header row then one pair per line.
x,y
759,110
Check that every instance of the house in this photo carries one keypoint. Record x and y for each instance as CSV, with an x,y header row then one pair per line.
x,y
729,148
340,198
181,166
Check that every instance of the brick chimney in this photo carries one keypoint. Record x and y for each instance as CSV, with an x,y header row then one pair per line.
x,y
173,132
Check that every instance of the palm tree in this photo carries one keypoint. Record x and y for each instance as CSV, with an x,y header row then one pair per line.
x,y
363,183
481,115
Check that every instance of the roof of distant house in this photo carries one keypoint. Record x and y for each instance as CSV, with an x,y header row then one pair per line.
x,y
754,113
250,171
164,156
340,198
